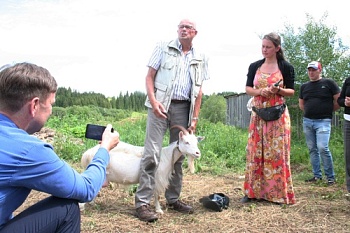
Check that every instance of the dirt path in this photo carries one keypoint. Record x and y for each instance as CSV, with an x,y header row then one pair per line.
x,y
318,209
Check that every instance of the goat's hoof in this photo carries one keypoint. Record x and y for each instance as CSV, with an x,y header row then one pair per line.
x,y
81,206
160,211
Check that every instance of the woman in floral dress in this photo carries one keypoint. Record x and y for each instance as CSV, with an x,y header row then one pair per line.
x,y
268,174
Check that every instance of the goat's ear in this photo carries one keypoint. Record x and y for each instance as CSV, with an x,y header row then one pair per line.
x,y
181,134
200,138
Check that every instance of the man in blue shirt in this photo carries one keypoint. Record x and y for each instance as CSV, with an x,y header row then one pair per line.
x,y
27,93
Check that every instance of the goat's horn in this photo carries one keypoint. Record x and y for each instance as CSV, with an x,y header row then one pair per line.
x,y
181,128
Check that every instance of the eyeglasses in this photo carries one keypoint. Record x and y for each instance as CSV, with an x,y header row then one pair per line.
x,y
181,26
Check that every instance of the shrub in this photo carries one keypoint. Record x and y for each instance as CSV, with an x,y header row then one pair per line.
x,y
214,109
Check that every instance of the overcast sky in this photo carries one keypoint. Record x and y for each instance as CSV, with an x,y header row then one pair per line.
x,y
103,46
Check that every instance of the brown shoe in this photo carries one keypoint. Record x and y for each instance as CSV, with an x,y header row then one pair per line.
x,y
181,207
144,213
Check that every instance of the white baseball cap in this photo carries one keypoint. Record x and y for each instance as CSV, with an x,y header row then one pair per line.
x,y
314,65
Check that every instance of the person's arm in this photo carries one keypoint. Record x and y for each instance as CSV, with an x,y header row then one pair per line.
x,y
301,97
301,104
197,106
336,93
282,91
336,106
153,66
198,100
157,107
342,96
150,86
252,91
44,171
288,80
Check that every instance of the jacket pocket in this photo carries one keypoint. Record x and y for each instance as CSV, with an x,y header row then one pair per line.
x,y
168,63
160,91
197,66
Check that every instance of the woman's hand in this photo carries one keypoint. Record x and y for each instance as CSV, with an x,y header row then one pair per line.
x,y
274,89
347,101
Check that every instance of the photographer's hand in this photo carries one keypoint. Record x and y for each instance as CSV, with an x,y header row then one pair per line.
x,y
110,138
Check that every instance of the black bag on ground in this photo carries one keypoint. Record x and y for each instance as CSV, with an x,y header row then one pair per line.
x,y
216,202
270,113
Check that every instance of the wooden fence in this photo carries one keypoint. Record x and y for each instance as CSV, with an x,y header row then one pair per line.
x,y
237,112
239,116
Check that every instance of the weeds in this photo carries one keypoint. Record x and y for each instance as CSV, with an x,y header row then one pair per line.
x,y
223,149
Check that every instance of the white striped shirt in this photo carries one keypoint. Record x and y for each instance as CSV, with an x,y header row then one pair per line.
x,y
183,83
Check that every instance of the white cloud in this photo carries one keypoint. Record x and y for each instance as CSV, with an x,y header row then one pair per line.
x,y
103,46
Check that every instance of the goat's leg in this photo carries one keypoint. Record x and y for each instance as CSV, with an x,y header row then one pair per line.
x,y
190,162
82,206
157,204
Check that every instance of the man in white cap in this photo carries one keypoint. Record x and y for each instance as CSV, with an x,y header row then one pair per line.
x,y
317,120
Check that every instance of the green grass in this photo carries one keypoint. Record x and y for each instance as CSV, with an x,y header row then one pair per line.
x,y
223,149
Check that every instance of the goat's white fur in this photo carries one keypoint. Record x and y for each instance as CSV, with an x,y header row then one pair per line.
x,y
124,164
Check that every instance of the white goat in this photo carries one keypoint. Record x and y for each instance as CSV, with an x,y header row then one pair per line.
x,y
124,163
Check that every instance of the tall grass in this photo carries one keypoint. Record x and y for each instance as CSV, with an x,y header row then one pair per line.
x,y
223,149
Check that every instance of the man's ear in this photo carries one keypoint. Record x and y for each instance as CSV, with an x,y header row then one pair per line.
x,y
34,106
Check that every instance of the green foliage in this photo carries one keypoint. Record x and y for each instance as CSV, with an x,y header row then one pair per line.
x,y
70,148
132,130
316,42
214,109
223,149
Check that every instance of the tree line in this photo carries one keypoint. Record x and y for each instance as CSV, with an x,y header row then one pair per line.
x,y
66,97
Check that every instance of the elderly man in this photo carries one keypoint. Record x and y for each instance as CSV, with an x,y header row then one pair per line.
x,y
176,71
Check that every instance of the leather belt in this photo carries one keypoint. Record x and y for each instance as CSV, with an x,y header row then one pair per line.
x,y
179,101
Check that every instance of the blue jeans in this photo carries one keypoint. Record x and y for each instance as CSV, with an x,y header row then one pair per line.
x,y
317,133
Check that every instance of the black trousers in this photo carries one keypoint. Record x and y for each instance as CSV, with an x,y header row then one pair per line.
x,y
347,153
50,215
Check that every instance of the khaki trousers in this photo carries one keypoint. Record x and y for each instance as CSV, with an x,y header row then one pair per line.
x,y
155,131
